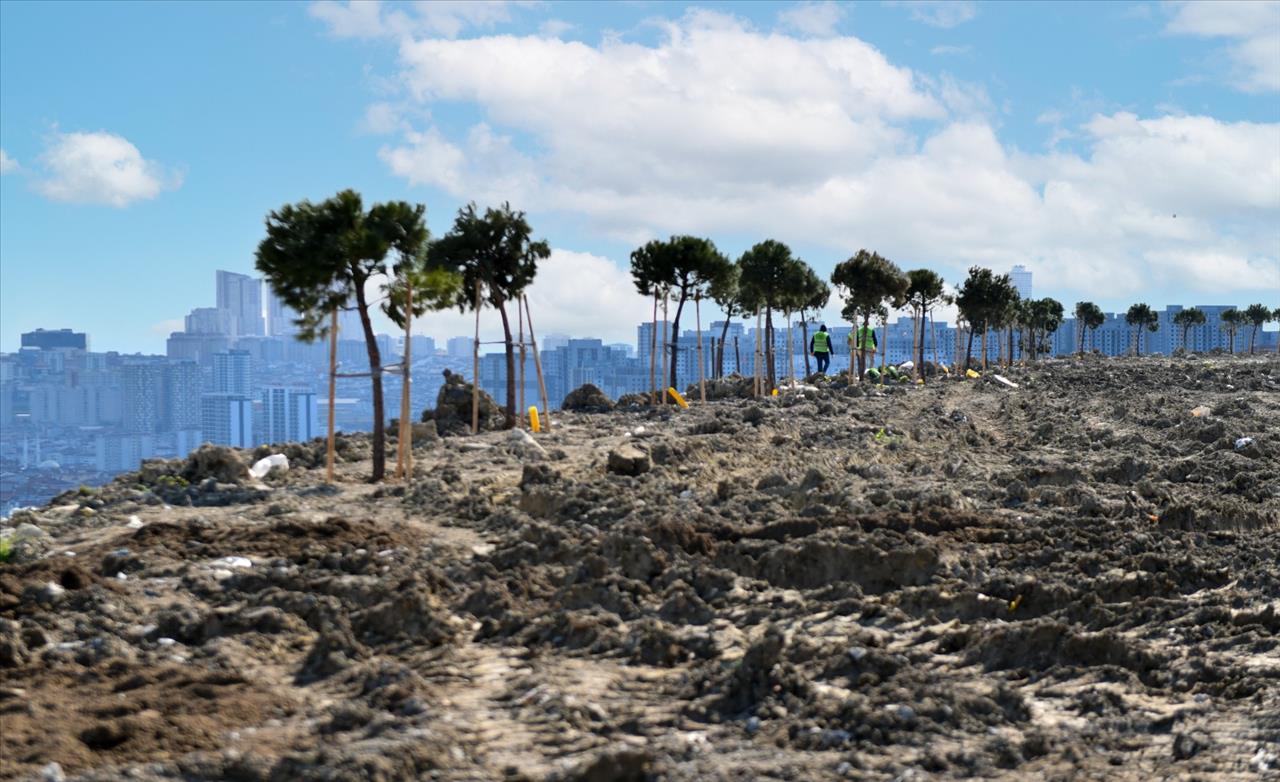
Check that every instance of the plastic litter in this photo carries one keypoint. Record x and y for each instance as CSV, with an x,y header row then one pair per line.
x,y
134,523
1244,442
1006,381
265,465
1200,411
234,562
907,365
969,373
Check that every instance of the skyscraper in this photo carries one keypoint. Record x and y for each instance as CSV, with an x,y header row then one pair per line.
x,y
242,295
143,390
210,320
1021,279
290,414
233,373
227,419
184,382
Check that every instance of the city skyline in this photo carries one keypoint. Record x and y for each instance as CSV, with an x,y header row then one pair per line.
x,y
939,135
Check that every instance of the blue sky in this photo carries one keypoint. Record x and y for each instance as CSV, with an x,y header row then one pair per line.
x,y
143,143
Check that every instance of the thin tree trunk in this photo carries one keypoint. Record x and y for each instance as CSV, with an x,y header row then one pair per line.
x,y
884,349
968,351
511,365
475,369
724,332
768,348
791,362
862,346
375,369
984,349
404,439
804,343
675,341
737,357
333,388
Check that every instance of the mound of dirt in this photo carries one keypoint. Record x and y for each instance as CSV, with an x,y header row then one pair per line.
x,y
454,405
587,399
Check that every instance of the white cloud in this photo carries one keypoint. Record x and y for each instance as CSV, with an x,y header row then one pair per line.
x,y
947,49
718,129
1254,30
373,19
817,19
381,119
555,28
938,13
7,164
100,168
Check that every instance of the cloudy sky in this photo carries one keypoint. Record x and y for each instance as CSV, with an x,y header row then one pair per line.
x,y
1121,151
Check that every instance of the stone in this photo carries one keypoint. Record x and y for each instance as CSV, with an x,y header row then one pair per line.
x,y
628,460
452,413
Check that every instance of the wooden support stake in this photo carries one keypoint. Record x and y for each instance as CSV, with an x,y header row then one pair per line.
x,y
791,371
537,364
702,379
666,361
755,356
404,465
520,327
984,350
933,337
475,370
653,352
333,391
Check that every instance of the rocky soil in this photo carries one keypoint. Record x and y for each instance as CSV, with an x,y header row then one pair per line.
x,y
1074,579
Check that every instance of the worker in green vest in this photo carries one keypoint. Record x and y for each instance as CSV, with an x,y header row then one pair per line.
x,y
861,341
820,346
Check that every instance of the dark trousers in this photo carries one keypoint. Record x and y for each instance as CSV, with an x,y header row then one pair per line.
x,y
824,360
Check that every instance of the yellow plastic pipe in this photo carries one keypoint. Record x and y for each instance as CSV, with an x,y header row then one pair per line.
x,y
679,399
533,419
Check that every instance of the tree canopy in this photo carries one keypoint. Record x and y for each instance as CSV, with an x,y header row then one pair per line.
x,y
984,300
496,256
319,257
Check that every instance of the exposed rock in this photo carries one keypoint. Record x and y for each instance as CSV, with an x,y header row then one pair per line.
x,y
628,460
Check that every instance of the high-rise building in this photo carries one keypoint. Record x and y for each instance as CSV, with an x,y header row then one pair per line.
x,y
210,320
199,348
459,347
142,386
233,373
184,382
290,414
242,295
1021,279
51,339
227,419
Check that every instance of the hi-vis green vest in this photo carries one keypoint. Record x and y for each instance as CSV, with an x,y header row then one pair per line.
x,y
865,339
821,342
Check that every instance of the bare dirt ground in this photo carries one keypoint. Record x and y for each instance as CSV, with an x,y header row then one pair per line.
x,y
1075,579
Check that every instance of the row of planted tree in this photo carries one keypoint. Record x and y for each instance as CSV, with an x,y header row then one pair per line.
x,y
320,258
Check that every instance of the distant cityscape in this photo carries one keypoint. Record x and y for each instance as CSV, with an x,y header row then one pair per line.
x,y
237,375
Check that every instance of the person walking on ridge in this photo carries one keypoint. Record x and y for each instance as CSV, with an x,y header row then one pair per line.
x,y
860,341
820,346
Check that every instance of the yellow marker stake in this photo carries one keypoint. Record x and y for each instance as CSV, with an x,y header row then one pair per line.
x,y
679,399
775,392
533,419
